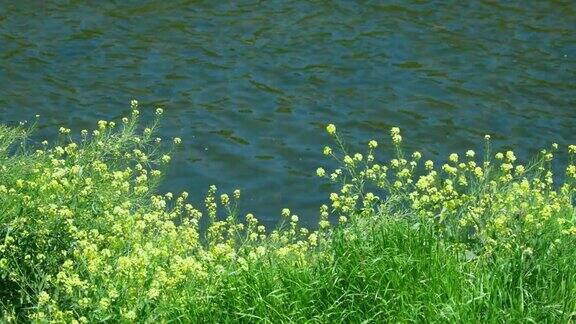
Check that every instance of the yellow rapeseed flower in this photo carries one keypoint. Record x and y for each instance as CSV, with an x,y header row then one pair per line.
x,y
453,157
331,129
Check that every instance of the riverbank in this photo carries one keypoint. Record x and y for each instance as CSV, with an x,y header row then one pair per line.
x,y
86,236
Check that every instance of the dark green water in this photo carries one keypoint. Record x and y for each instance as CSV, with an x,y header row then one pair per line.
x,y
249,86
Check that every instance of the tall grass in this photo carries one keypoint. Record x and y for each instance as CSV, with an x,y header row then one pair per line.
x,y
85,236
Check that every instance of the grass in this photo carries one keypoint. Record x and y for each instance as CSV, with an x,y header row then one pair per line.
x,y
86,237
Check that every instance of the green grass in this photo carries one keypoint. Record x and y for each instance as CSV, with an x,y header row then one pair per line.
x,y
85,236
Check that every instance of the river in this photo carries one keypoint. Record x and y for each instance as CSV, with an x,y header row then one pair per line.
x,y
250,85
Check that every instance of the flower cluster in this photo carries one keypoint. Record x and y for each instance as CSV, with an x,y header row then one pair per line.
x,y
86,237
490,204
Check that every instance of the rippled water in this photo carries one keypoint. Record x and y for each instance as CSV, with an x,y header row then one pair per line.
x,y
250,85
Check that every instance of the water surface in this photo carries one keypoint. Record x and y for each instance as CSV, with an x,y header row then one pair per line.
x,y
249,85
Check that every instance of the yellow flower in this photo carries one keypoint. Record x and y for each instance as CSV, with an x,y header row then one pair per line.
x,y
153,293
130,315
453,157
104,303
571,171
470,153
478,172
320,172
159,111
510,156
43,298
224,199
327,150
177,140
348,160
331,129
449,169
372,144
313,239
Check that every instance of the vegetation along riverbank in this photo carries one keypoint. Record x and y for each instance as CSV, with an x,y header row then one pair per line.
x,y
85,236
